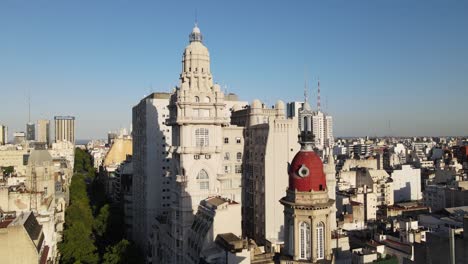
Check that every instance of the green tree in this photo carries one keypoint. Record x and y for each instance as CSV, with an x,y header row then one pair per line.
x,y
93,229
122,252
78,245
100,224
8,170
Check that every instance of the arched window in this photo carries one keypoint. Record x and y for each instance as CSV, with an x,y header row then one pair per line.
x,y
201,137
239,155
203,180
197,99
320,241
304,241
207,99
305,128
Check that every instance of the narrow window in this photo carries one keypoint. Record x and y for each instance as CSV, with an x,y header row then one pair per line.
x,y
304,241
203,180
201,137
320,241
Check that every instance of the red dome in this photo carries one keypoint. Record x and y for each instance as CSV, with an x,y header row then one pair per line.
x,y
306,172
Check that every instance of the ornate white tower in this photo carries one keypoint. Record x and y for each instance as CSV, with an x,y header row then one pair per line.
x,y
196,116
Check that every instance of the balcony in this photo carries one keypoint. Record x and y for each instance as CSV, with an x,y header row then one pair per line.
x,y
199,150
182,120
181,178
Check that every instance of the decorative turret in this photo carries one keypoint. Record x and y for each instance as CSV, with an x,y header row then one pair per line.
x,y
307,206
196,72
306,135
196,34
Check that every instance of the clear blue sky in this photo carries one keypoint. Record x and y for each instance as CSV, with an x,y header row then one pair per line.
x,y
403,61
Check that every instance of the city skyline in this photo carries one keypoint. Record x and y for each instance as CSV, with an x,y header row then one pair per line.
x,y
379,64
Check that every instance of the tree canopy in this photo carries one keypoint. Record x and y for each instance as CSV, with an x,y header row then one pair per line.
x,y
93,227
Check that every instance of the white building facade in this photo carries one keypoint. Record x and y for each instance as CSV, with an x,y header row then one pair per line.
x,y
407,184
151,162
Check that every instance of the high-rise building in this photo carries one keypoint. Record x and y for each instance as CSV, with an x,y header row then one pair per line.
x,y
323,130
151,165
65,128
270,143
3,135
110,137
43,131
30,131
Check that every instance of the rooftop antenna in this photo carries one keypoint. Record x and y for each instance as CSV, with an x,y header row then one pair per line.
x,y
29,106
306,97
318,94
305,91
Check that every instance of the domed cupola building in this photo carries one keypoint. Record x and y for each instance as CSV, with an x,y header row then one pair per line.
x,y
307,206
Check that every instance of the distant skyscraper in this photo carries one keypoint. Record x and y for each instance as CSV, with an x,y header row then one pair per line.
x,y
43,131
3,135
110,137
30,131
322,126
65,128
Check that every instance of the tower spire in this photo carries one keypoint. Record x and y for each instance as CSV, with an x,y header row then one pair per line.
x,y
306,136
306,105
305,92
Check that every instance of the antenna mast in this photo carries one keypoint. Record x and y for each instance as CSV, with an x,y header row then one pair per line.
x,y
305,91
318,95
29,106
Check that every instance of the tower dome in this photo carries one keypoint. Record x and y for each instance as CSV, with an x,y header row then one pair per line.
x,y
279,105
306,172
256,104
196,72
196,34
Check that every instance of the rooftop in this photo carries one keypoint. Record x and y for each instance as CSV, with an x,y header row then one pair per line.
x,y
217,201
